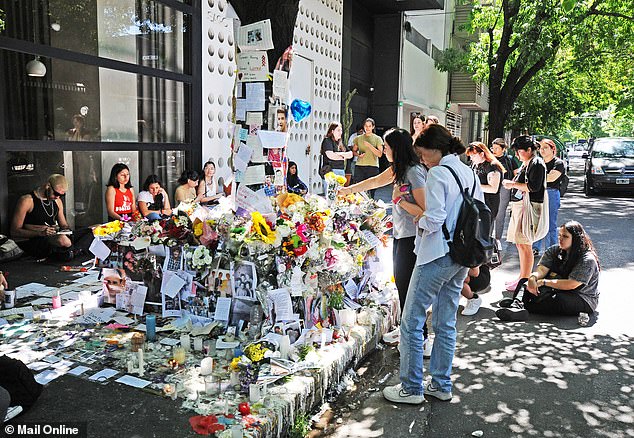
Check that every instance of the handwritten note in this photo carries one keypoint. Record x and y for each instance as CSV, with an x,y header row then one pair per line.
x,y
280,300
255,96
223,307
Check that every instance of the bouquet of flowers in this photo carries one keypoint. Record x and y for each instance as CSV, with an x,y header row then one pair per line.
x,y
333,183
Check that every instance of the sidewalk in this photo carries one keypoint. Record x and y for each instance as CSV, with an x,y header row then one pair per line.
x,y
547,377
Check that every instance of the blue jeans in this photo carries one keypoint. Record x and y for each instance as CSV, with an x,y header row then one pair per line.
x,y
153,217
554,201
436,283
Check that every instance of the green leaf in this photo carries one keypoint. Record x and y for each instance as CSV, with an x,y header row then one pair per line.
x,y
568,5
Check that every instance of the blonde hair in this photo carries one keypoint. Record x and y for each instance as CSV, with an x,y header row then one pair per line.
x,y
57,180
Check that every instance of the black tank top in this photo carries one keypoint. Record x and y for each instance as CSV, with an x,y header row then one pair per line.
x,y
43,213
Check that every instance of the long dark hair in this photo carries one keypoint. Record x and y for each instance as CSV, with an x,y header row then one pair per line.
x,y
151,179
112,181
581,243
403,154
292,180
438,137
329,135
188,174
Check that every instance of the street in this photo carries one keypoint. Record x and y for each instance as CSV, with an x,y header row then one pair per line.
x,y
544,377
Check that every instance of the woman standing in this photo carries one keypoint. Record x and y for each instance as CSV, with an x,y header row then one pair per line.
x,y
293,183
565,282
418,124
153,200
333,152
489,171
119,193
370,149
436,278
498,147
529,181
555,170
208,188
407,175
186,191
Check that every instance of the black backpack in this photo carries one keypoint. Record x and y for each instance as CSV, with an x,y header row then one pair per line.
x,y
472,243
18,380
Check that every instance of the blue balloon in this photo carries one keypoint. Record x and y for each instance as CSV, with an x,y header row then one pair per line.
x,y
300,109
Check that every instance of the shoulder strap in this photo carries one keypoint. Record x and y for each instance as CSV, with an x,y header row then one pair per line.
x,y
445,231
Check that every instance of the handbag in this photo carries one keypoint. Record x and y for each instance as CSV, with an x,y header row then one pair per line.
x,y
534,217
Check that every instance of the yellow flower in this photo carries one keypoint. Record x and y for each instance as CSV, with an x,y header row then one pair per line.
x,y
108,228
234,363
341,179
198,229
262,229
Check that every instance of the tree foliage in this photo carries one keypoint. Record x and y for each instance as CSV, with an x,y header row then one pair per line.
x,y
548,59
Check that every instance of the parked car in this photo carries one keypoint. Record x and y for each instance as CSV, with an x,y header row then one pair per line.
x,y
578,150
609,165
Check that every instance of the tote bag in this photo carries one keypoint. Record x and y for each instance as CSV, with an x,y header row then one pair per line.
x,y
534,217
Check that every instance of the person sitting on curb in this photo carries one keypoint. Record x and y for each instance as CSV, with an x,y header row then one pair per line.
x,y
478,280
565,283
39,217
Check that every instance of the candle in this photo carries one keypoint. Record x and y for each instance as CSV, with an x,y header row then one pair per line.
x,y
185,342
234,378
236,431
209,385
198,344
150,326
206,366
141,363
57,301
254,393
179,355
285,346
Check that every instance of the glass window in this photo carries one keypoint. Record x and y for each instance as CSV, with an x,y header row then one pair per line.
x,y
80,102
87,173
143,32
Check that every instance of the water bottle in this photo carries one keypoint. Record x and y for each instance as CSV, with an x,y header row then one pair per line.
x,y
255,321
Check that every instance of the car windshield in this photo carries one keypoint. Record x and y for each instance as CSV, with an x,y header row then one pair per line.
x,y
614,149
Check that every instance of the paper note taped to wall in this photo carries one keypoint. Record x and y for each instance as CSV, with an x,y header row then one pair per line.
x,y
272,139
253,66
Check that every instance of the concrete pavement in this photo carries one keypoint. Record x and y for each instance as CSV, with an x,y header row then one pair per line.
x,y
547,377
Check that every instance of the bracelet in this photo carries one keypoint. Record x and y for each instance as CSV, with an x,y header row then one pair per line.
x,y
397,200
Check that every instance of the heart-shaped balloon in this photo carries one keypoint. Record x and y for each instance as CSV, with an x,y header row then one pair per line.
x,y
300,109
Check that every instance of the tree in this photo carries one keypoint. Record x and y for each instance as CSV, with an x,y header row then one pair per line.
x,y
520,38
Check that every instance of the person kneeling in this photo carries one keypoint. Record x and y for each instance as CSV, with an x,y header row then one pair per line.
x,y
565,283
478,280
39,217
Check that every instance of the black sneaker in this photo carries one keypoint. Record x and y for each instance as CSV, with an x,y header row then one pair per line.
x,y
505,303
535,252
515,312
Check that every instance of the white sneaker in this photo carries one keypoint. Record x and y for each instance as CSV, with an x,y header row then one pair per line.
x,y
392,337
397,394
12,412
472,307
428,344
432,391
